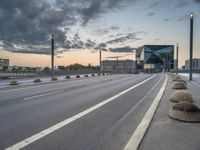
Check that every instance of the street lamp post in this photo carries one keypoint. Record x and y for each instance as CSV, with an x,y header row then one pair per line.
x,y
100,59
117,65
177,58
191,43
52,56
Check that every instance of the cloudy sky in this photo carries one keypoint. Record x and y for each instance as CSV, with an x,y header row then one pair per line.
x,y
82,27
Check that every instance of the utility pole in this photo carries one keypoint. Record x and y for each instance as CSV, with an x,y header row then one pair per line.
x,y
191,43
52,56
177,47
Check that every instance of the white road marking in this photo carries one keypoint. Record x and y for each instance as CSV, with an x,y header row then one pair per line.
x,y
20,87
141,129
137,104
196,83
51,129
45,94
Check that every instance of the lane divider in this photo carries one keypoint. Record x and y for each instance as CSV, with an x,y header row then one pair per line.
x,y
61,124
141,129
197,84
45,94
59,91
42,84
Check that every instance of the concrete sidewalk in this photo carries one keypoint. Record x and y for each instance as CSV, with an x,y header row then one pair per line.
x,y
167,134
195,76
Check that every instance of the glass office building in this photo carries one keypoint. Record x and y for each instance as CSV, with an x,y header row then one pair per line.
x,y
155,58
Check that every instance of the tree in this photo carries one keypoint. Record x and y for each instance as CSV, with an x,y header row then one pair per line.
x,y
46,69
61,67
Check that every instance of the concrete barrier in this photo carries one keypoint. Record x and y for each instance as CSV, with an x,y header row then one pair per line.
x,y
181,95
186,112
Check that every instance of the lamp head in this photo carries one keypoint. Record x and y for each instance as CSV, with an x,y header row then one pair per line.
x,y
192,15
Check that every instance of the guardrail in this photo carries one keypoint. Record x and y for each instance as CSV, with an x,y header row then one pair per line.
x,y
16,75
7,75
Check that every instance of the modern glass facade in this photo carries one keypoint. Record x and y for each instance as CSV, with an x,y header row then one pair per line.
x,y
155,58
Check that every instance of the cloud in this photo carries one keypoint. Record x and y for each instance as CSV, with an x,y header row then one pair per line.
x,y
28,23
101,31
154,4
59,56
166,20
126,49
102,46
90,44
124,38
119,39
181,3
183,18
105,30
97,7
151,14
114,28
178,3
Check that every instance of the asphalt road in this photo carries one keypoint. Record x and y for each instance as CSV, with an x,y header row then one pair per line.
x,y
26,111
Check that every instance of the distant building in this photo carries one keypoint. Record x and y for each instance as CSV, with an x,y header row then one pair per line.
x,y
118,66
195,64
4,62
155,57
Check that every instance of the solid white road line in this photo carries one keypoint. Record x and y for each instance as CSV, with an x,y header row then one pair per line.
x,y
196,83
137,104
141,129
42,85
51,129
45,94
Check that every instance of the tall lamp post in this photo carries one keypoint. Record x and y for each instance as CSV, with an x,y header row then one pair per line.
x,y
52,56
191,43
100,59
117,65
177,47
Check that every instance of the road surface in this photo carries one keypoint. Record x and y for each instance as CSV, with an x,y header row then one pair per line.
x,y
98,113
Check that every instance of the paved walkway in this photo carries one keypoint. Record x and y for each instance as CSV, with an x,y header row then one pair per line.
x,y
196,76
167,134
